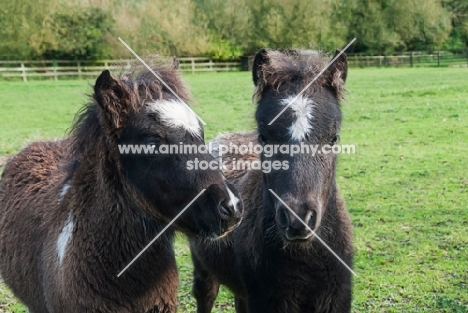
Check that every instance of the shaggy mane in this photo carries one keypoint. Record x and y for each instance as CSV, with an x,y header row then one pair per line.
x,y
143,87
294,69
142,82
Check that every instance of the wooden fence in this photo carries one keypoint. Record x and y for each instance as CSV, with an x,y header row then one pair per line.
x,y
411,59
83,69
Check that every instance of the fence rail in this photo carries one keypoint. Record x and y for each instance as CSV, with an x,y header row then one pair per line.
x,y
411,59
83,69
80,69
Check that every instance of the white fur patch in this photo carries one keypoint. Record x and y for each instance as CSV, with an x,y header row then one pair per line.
x,y
64,191
234,201
302,109
64,237
175,114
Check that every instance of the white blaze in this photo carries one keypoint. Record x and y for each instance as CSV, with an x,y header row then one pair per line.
x,y
234,201
175,114
302,109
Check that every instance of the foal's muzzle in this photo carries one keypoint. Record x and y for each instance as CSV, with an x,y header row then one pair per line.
x,y
230,208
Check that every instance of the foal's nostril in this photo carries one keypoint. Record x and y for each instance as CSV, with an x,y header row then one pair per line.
x,y
224,210
298,226
312,219
227,209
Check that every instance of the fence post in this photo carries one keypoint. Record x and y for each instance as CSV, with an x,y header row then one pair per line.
x,y
79,70
54,69
23,72
193,65
438,58
411,59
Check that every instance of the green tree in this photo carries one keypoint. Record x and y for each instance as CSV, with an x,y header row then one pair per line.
x,y
421,24
458,10
228,26
367,23
79,34
294,23
25,28
382,26
163,27
225,29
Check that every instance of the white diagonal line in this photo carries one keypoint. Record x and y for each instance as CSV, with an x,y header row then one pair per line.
x,y
315,234
313,80
160,233
159,78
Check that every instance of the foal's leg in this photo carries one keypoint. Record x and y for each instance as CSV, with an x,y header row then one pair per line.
x,y
205,287
241,305
341,302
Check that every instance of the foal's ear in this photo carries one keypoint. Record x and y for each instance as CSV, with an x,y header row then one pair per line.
x,y
112,98
260,58
337,72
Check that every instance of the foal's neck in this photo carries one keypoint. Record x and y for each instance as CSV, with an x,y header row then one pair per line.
x,y
109,209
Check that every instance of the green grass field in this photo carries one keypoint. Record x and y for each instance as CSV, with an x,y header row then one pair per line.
x,y
406,186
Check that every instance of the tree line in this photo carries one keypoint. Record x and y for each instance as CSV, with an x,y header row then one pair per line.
x,y
225,29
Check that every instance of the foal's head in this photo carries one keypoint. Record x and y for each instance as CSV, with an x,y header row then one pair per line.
x,y
314,118
137,109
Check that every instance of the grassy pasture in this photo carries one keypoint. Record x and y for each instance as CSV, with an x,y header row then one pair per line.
x,y
406,186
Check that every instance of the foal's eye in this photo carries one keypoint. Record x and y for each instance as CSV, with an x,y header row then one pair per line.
x,y
152,142
154,117
335,140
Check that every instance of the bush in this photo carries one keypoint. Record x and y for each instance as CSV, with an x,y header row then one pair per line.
x,y
80,34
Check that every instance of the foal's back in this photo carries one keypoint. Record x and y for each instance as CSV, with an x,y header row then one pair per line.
x,y
36,173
